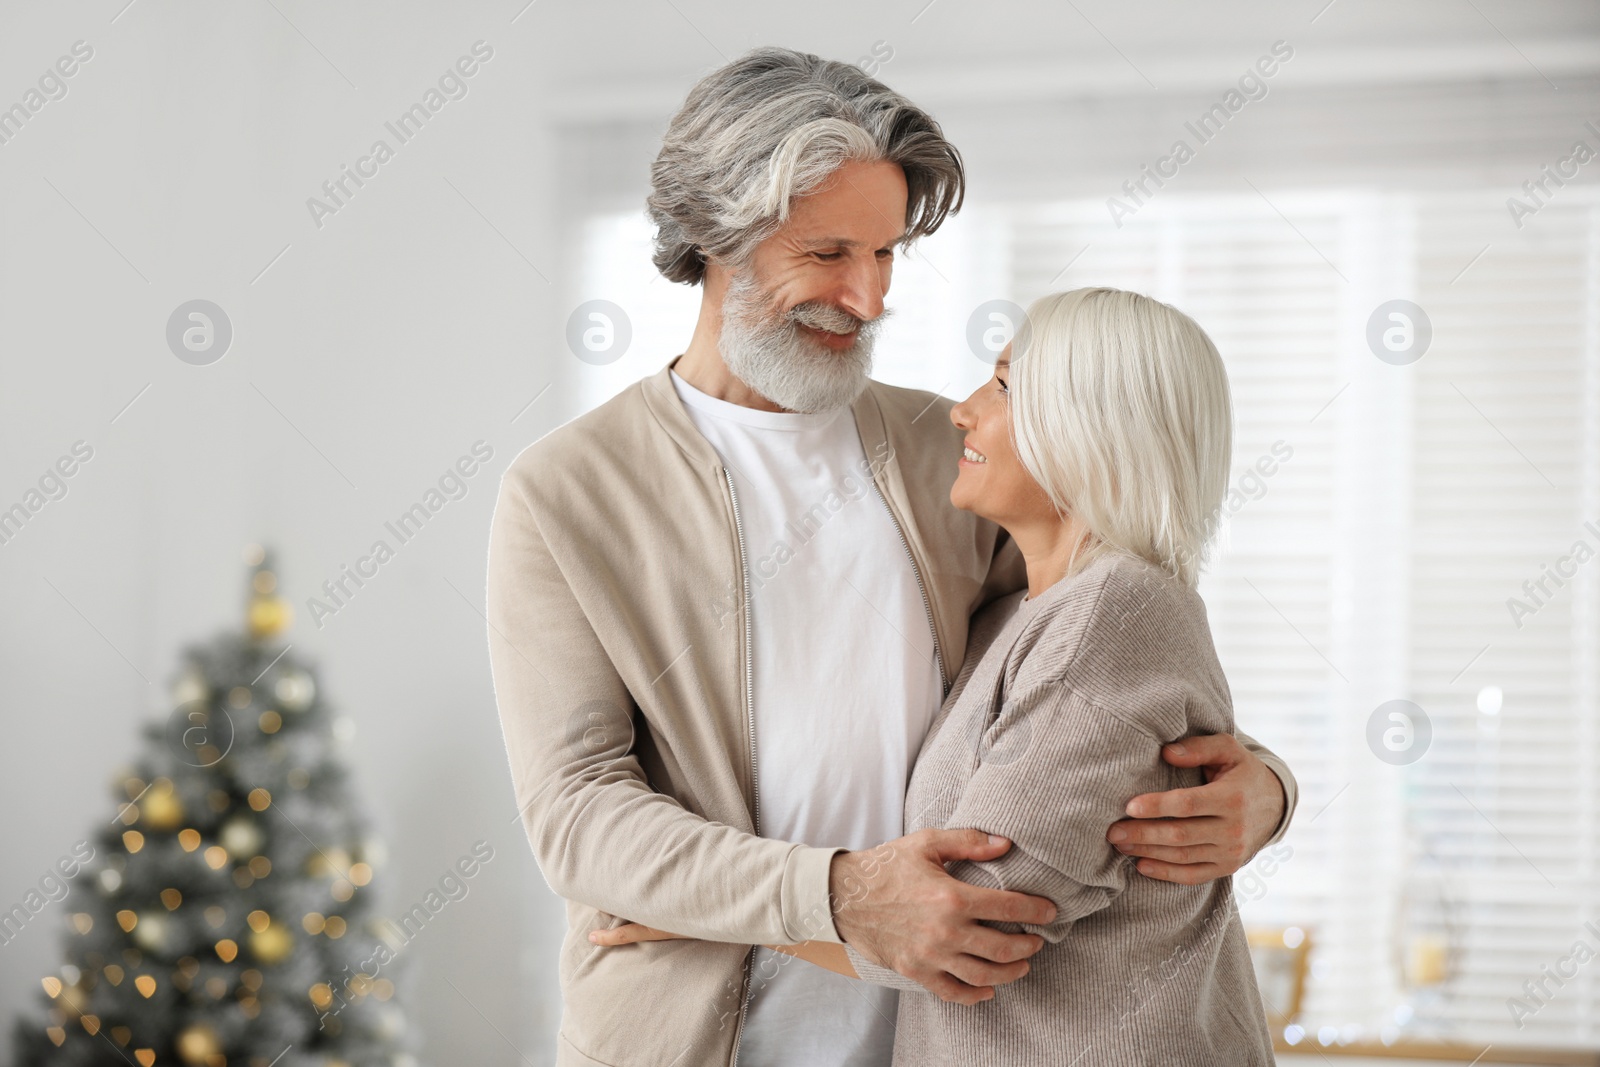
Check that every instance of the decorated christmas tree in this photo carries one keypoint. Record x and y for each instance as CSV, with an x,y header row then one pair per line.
x,y
225,918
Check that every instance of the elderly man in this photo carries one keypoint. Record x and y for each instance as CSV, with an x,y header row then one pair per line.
x,y
726,605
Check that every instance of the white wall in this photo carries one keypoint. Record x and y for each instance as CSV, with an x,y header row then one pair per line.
x,y
388,341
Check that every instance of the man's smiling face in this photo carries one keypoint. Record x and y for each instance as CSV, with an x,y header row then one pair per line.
x,y
837,247
798,321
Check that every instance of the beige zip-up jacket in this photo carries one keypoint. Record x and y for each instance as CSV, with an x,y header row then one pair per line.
x,y
620,650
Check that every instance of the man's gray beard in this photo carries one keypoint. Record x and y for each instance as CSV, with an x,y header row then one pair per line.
x,y
777,360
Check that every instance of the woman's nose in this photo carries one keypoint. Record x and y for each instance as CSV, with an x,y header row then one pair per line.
x,y
961,416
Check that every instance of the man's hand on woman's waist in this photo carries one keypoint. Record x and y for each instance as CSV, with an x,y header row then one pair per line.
x,y
899,907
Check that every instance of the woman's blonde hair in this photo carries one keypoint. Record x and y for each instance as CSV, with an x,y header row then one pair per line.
x,y
1120,411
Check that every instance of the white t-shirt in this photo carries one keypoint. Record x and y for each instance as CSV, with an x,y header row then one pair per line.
x,y
846,686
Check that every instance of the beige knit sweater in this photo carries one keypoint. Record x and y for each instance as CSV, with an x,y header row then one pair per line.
x,y
1057,718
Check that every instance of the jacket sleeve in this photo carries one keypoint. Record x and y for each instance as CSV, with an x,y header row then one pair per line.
x,y
601,835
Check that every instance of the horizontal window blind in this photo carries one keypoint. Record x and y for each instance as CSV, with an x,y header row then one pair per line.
x,y
1500,814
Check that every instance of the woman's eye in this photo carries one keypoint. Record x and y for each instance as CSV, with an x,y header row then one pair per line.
x,y
1003,387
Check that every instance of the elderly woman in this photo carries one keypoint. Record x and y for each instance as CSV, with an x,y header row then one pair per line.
x,y
1102,446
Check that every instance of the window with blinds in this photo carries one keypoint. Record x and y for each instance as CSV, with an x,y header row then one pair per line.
x,y
1380,517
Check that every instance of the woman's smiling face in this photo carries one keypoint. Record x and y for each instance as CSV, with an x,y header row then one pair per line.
x,y
991,480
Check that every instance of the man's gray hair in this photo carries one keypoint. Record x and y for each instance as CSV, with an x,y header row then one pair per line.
x,y
771,126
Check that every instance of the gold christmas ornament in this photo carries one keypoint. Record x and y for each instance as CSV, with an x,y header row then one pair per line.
x,y
272,944
269,616
161,809
266,613
198,1044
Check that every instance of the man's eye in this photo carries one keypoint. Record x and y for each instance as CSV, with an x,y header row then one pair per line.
x,y
827,256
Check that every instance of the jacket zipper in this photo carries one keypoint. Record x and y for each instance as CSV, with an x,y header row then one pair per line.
x,y
750,721
749,686
927,606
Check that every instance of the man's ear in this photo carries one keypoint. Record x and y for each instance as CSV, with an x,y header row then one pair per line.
x,y
714,286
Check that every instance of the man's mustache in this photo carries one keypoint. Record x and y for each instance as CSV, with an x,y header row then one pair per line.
x,y
820,316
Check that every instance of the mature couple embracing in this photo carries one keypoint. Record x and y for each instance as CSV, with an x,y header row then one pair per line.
x,y
957,780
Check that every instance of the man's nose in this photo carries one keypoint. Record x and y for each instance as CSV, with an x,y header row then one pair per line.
x,y
862,289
